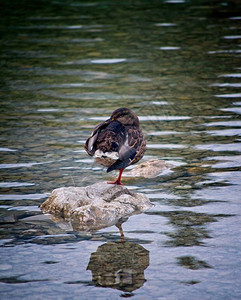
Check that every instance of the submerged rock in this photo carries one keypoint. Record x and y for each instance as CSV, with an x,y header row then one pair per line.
x,y
150,169
96,206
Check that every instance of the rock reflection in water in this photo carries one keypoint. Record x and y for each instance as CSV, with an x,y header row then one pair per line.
x,y
119,265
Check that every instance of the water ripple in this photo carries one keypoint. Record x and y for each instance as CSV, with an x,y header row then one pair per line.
x,y
157,133
159,102
224,51
165,146
15,184
32,87
236,110
90,96
235,75
167,48
231,147
161,196
237,95
86,74
175,1
64,27
165,24
164,118
136,78
232,37
23,197
150,118
7,150
32,54
48,110
225,132
231,161
97,61
61,41
108,61
226,123
22,165
25,208
238,85
235,18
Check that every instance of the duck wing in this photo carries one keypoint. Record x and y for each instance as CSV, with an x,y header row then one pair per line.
x,y
126,155
131,151
137,142
89,145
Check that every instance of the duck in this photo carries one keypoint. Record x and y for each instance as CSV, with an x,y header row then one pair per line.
x,y
117,142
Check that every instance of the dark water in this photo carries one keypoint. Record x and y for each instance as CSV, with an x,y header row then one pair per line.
x,y
65,66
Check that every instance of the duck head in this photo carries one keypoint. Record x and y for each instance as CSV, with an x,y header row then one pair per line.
x,y
126,117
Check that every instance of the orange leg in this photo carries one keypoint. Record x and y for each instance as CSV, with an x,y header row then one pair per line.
x,y
119,226
118,180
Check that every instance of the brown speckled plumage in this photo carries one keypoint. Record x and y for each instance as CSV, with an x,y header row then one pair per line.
x,y
121,136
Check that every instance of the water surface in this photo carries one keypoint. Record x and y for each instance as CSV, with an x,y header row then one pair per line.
x,y
65,66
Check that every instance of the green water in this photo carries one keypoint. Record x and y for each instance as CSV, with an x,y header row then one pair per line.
x,y
65,66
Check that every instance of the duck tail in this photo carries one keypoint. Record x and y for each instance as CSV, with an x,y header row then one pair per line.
x,y
119,164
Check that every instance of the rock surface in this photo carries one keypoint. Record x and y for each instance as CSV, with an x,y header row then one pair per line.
x,y
96,206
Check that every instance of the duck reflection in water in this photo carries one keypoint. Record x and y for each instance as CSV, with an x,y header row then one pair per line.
x,y
119,265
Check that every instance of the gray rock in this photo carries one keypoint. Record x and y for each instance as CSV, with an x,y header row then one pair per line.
x,y
96,206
